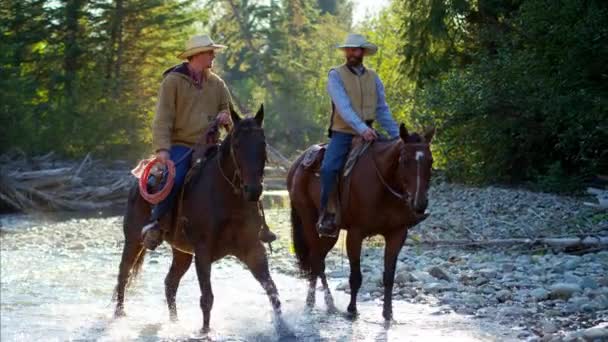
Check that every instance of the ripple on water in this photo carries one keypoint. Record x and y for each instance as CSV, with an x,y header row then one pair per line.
x,y
57,282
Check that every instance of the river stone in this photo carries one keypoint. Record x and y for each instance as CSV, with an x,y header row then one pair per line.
x,y
508,268
422,277
488,272
572,279
480,281
564,290
549,327
596,333
503,295
512,311
342,286
589,283
572,264
539,294
439,273
437,287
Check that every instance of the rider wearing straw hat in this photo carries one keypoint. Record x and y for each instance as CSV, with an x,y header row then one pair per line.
x,y
191,96
357,97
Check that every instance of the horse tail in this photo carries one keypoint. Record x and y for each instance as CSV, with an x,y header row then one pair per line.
x,y
300,245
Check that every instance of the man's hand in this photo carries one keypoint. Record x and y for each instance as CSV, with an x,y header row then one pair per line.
x,y
369,134
223,118
163,155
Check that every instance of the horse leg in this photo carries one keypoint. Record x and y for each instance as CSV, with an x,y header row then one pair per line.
x,y
202,259
393,244
353,248
180,264
326,245
312,286
257,263
130,263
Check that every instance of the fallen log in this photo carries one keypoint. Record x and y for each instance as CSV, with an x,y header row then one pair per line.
x,y
582,242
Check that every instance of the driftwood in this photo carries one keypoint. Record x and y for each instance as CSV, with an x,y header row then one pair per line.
x,y
43,183
602,198
565,243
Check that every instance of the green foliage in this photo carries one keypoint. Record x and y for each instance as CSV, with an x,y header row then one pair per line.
x,y
528,101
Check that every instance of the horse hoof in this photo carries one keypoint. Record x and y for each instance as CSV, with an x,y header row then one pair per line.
x,y
119,313
173,318
388,316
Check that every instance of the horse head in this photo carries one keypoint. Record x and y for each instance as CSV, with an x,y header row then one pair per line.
x,y
415,163
247,145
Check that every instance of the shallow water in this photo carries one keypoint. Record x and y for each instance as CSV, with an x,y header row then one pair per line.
x,y
57,278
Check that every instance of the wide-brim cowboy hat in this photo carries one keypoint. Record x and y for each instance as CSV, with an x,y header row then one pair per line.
x,y
354,40
198,44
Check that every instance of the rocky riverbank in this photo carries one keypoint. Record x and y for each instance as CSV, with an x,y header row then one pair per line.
x,y
541,292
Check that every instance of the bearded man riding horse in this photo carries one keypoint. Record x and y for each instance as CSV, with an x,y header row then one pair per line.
x,y
384,186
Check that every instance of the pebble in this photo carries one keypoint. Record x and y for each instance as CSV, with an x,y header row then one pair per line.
x,y
564,290
503,295
439,273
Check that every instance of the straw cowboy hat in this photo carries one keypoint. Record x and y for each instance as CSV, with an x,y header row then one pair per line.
x,y
354,40
198,44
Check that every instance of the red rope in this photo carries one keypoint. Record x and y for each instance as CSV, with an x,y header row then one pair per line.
x,y
156,197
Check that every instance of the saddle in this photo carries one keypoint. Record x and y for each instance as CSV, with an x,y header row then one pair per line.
x,y
313,156
312,160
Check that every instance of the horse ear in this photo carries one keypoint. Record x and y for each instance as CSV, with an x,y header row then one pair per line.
x,y
259,116
403,132
233,114
429,133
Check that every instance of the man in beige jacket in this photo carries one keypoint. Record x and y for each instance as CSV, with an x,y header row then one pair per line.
x,y
191,97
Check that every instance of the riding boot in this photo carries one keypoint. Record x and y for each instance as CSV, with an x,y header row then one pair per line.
x,y
326,226
152,235
265,235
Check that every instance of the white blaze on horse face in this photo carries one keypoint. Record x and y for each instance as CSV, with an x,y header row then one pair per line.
x,y
419,157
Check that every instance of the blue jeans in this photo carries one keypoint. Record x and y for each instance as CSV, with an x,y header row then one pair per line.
x,y
177,152
333,162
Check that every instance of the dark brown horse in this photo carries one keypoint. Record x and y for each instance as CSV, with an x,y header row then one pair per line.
x,y
387,196
221,218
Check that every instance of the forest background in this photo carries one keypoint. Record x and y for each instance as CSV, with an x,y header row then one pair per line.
x,y
518,90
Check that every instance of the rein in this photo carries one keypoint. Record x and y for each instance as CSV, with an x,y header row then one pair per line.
x,y
237,173
402,197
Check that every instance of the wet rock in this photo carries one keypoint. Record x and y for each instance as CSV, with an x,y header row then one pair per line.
x,y
480,281
402,277
77,247
475,301
564,290
513,311
549,327
503,295
596,333
422,277
343,286
507,268
439,273
589,283
539,294
488,272
572,279
437,287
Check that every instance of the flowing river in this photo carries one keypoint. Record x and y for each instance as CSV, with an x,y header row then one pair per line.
x,y
58,274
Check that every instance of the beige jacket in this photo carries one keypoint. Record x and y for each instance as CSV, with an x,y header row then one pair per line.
x,y
184,111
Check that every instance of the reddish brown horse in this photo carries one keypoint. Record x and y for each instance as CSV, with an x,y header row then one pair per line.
x,y
222,218
387,196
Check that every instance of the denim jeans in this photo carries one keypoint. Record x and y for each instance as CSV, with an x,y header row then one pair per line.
x,y
176,152
333,162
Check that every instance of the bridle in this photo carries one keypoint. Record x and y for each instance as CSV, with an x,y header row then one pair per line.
x,y
405,195
236,176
